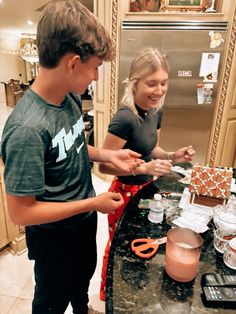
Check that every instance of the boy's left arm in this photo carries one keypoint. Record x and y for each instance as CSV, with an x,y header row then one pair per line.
x,y
124,159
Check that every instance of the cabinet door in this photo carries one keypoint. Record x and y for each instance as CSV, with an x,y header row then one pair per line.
x,y
3,227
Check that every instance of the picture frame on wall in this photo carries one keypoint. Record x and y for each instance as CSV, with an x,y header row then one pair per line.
x,y
184,6
144,5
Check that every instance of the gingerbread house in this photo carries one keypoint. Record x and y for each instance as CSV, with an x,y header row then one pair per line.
x,y
210,186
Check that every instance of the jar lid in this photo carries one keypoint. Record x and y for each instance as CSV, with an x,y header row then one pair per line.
x,y
157,197
232,244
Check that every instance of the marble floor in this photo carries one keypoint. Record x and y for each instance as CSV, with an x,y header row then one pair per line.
x,y
16,272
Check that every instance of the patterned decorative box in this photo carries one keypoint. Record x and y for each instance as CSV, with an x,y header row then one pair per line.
x,y
210,186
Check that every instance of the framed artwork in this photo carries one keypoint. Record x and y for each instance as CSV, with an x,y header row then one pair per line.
x,y
184,6
144,5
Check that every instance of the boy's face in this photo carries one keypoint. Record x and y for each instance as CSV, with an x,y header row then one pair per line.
x,y
84,73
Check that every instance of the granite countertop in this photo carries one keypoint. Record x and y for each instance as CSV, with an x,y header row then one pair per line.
x,y
136,285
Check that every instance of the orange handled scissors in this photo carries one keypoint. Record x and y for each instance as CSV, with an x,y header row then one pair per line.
x,y
146,248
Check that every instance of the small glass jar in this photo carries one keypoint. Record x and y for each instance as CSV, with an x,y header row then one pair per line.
x,y
230,254
224,217
220,242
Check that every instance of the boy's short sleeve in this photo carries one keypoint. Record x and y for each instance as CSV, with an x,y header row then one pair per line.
x,y
24,164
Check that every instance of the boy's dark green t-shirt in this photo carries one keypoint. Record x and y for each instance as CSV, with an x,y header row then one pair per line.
x,y
45,153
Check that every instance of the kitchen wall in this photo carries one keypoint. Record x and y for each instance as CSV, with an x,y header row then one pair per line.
x,y
12,66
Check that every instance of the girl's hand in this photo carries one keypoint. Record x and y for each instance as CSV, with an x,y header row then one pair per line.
x,y
184,154
156,167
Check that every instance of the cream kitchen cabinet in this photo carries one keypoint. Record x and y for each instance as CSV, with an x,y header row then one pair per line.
x,y
11,236
3,225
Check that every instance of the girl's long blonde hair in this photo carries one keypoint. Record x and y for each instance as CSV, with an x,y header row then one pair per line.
x,y
148,61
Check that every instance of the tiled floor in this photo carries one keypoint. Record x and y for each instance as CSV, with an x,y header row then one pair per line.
x,y
16,272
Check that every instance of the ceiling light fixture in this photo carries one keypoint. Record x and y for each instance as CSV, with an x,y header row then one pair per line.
x,y
29,52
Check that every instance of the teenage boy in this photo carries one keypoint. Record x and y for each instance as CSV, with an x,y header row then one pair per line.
x,y
47,162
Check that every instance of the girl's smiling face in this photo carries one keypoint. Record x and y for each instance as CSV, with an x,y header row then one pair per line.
x,y
149,90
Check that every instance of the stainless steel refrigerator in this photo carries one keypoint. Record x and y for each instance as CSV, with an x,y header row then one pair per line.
x,y
195,52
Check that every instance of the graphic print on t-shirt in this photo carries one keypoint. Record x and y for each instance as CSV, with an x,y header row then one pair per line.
x,y
64,140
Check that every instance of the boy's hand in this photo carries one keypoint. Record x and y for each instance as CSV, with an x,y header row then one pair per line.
x,y
126,160
108,202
